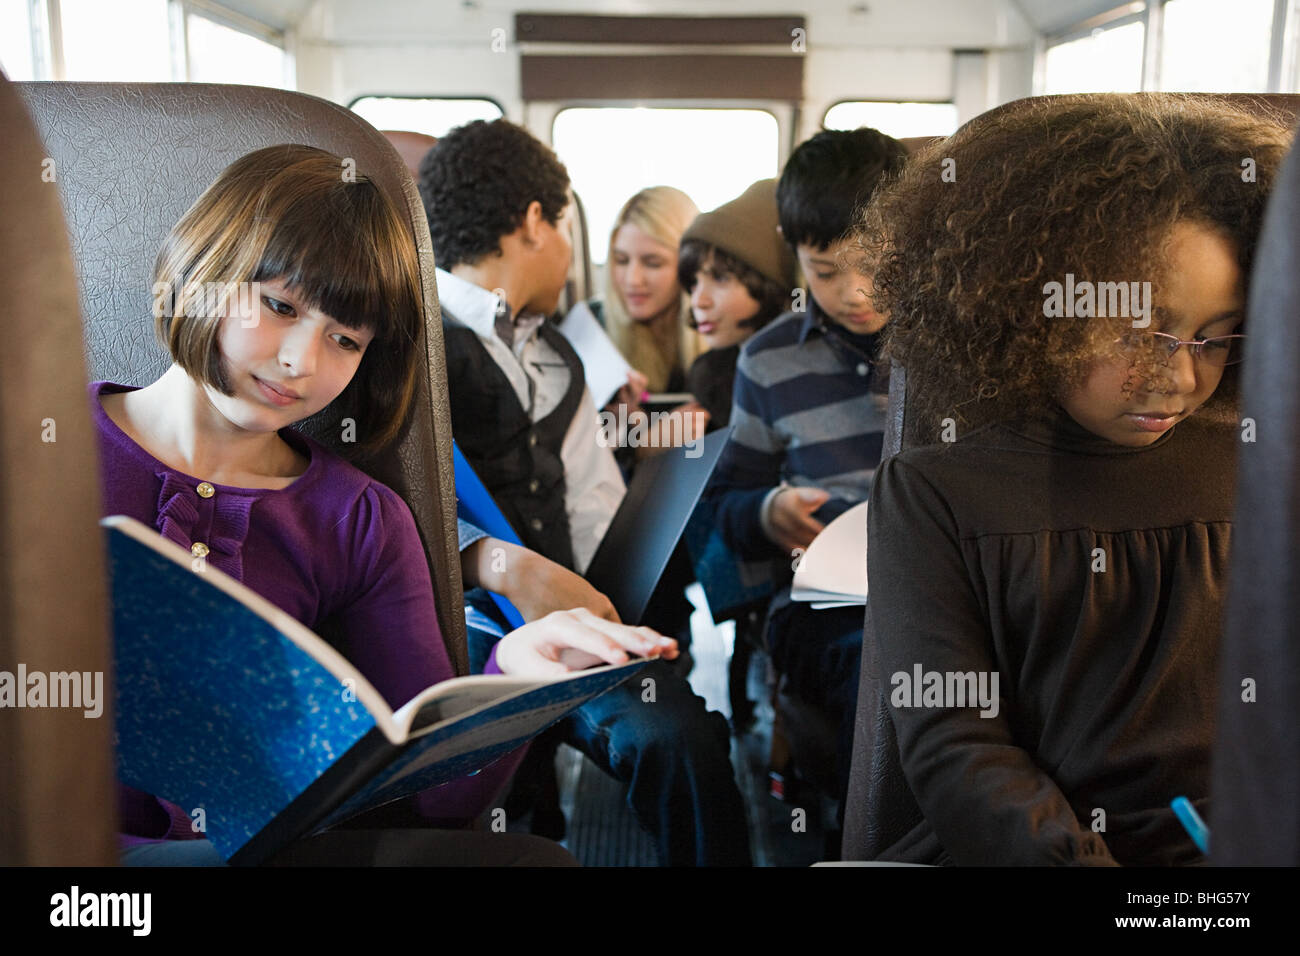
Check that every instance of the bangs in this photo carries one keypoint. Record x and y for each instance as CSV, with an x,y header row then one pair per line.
x,y
697,256
690,258
341,253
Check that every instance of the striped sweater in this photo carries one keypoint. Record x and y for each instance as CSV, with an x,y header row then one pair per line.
x,y
808,410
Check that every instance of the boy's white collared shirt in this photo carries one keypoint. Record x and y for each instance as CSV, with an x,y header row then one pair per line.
x,y
593,484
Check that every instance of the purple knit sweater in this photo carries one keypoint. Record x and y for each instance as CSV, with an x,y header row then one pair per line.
x,y
334,543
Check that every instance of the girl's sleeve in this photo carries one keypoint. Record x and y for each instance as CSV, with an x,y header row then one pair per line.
x,y
393,637
985,797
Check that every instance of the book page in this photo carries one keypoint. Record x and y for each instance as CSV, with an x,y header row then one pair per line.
x,y
469,741
453,698
834,568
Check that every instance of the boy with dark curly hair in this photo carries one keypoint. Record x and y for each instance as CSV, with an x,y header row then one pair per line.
x,y
1058,531
809,412
497,202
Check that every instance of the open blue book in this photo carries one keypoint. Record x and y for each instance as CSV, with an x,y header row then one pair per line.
x,y
225,702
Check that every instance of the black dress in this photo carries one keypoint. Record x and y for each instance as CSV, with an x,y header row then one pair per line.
x,y
1089,578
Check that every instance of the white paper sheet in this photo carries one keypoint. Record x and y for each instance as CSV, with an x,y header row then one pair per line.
x,y
834,568
602,363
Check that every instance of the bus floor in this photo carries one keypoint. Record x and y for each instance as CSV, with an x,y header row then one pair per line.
x,y
601,831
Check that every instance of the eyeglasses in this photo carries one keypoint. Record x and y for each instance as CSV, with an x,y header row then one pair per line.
x,y
1218,351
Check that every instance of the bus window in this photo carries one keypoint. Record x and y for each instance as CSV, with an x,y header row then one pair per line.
x,y
217,53
1105,60
899,120
430,115
1208,51
16,52
709,154
125,41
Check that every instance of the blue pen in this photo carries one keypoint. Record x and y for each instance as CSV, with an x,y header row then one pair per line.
x,y
1192,823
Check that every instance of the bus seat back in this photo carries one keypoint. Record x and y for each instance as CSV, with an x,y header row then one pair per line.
x,y
1255,818
411,147
56,763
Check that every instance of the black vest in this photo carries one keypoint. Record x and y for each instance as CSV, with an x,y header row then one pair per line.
x,y
517,459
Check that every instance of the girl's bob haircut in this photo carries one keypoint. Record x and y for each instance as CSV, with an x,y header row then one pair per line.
x,y
1087,186
303,216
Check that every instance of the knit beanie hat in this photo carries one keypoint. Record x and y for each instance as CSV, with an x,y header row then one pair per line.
x,y
746,228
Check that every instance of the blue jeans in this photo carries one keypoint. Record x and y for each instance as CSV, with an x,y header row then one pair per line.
x,y
673,753
820,654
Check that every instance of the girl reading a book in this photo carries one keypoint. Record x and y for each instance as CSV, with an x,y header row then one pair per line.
x,y
1061,520
283,291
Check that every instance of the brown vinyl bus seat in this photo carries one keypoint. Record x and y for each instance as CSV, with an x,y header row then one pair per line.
x,y
56,763
915,144
132,157
880,809
411,147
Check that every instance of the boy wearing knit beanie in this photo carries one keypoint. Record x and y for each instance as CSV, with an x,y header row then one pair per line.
x,y
739,273
809,415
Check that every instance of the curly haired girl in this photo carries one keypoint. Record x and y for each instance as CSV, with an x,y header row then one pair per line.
x,y
1047,572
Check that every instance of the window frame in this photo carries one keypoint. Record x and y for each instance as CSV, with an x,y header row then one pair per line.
x,y
773,108
1121,16
951,103
215,12
554,108
1281,58
38,48
181,11
47,36
427,96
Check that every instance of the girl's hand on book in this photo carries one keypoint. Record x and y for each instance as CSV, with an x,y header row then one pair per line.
x,y
566,641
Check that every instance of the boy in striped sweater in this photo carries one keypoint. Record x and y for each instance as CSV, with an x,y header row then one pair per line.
x,y
808,412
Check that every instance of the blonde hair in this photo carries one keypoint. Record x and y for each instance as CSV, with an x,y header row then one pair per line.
x,y
288,213
662,213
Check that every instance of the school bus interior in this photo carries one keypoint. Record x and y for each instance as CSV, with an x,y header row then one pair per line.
x,y
139,105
